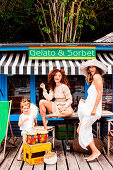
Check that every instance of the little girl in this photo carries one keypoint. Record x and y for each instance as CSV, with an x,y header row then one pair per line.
x,y
26,123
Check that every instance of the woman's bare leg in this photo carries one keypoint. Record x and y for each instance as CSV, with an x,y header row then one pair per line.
x,y
61,114
78,129
44,104
95,152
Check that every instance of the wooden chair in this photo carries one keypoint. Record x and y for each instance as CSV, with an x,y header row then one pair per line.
x,y
49,129
110,133
97,131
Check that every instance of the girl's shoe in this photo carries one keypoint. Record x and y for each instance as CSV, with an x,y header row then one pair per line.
x,y
19,158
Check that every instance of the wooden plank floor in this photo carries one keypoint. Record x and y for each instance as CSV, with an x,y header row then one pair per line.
x,y
66,160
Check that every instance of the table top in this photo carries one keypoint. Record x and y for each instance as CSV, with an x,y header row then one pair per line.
x,y
105,114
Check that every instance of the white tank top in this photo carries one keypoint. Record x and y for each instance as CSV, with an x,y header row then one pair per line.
x,y
90,101
27,126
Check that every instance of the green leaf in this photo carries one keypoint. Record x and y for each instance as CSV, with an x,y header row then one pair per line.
x,y
47,30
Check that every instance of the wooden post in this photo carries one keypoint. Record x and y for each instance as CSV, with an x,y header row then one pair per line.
x,y
75,129
11,132
108,138
53,131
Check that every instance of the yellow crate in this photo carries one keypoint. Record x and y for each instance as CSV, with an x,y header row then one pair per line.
x,y
34,154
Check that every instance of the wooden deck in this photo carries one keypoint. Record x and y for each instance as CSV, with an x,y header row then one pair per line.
x,y
66,160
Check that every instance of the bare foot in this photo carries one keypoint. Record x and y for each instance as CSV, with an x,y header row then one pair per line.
x,y
93,156
78,128
45,124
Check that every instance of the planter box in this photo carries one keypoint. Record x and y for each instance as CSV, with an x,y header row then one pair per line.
x,y
60,132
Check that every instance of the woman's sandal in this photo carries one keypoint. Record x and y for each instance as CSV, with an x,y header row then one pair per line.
x,y
95,157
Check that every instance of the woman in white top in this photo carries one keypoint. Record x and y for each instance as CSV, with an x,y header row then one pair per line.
x,y
59,90
90,110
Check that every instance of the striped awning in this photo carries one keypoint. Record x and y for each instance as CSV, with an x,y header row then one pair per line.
x,y
107,59
18,64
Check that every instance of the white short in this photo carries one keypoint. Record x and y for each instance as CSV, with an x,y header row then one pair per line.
x,y
23,132
55,108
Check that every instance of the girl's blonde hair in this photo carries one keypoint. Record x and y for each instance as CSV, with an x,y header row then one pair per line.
x,y
23,103
89,76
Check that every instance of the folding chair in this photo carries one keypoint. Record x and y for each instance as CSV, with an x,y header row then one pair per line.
x,y
6,131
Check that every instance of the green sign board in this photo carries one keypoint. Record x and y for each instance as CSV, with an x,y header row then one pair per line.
x,y
63,53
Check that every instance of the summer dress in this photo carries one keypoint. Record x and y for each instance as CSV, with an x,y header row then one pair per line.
x,y
86,120
27,126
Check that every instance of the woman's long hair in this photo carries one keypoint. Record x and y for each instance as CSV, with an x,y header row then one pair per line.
x,y
89,76
51,82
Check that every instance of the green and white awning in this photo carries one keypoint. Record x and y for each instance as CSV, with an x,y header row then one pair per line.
x,y
19,64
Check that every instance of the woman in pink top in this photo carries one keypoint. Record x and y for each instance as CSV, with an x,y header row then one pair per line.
x,y
59,90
